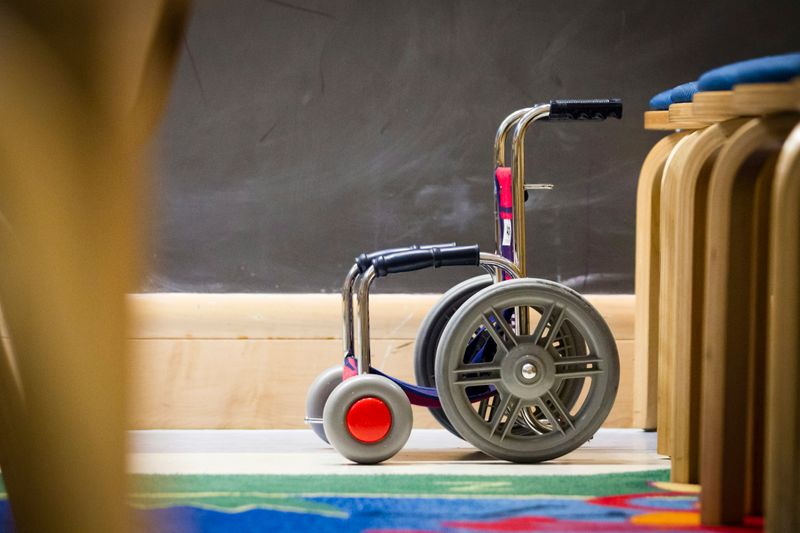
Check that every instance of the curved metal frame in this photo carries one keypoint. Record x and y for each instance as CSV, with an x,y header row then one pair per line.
x,y
518,200
524,116
347,310
518,176
500,161
490,262
502,134
520,120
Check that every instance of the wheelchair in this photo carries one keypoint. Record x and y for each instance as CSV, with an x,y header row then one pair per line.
x,y
524,369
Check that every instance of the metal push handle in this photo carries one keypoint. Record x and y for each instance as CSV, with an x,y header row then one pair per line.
x,y
598,109
364,261
500,161
518,180
457,254
411,260
585,109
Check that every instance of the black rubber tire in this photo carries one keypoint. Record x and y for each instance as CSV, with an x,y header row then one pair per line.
x,y
431,331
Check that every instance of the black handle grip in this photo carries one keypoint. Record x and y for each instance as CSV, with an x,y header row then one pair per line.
x,y
364,261
585,109
426,258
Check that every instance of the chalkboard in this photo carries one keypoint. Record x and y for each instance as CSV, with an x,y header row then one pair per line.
x,y
301,133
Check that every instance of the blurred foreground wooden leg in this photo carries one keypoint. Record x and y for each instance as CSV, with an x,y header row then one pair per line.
x,y
648,199
71,190
782,501
12,412
729,314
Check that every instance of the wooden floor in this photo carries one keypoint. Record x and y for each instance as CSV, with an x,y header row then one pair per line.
x,y
429,451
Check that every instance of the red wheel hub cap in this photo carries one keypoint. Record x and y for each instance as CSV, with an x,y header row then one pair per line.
x,y
369,420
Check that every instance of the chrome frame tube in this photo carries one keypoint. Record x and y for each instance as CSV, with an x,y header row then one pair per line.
x,y
500,264
362,324
518,180
500,161
347,310
502,133
497,263
518,203
358,331
363,285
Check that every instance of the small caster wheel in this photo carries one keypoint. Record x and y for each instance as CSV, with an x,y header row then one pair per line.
x,y
317,396
368,419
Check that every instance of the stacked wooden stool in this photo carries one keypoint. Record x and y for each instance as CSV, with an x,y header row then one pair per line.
x,y
717,304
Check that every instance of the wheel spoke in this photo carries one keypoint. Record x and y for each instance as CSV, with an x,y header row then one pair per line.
x,y
560,409
578,367
478,374
549,414
543,320
583,360
510,335
507,402
512,417
510,339
557,317
552,318
482,407
585,373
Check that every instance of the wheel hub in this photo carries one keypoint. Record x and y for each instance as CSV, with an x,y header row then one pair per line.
x,y
369,420
528,371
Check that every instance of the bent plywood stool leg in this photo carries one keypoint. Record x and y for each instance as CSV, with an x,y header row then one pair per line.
x,y
729,314
783,361
667,289
759,338
689,171
648,198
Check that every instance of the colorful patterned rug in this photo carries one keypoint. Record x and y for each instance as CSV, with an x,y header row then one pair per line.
x,y
641,501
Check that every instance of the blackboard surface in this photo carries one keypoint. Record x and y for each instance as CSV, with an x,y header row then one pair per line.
x,y
302,132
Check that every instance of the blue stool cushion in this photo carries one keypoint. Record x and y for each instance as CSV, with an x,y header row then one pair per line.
x,y
683,93
661,101
762,70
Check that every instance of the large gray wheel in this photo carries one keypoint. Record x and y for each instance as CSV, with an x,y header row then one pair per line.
x,y
368,418
317,396
430,332
567,343
528,419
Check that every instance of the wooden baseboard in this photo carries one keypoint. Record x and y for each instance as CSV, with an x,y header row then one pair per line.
x,y
246,361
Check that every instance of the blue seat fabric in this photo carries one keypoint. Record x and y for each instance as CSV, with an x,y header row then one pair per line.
x,y
660,101
683,93
768,69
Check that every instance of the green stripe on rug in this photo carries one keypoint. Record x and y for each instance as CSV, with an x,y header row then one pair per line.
x,y
399,485
236,491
